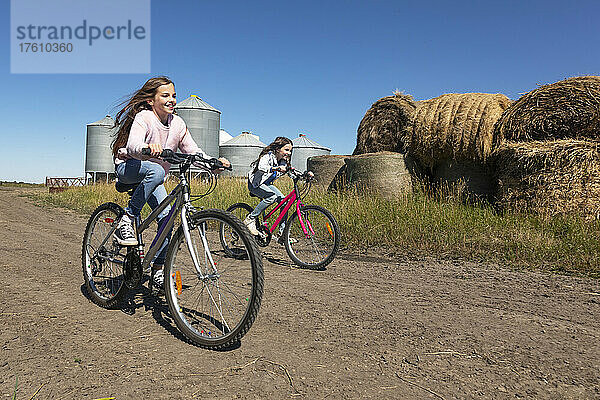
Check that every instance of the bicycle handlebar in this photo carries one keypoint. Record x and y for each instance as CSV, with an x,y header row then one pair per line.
x,y
300,175
178,158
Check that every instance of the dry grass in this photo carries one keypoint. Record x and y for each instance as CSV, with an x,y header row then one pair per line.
x,y
386,125
561,110
549,178
424,223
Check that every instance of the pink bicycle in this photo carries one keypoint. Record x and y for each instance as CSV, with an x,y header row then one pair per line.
x,y
311,235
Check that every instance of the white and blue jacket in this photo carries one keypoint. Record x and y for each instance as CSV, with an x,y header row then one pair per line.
x,y
264,172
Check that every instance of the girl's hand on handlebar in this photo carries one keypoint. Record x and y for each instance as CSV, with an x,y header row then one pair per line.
x,y
155,149
226,164
280,168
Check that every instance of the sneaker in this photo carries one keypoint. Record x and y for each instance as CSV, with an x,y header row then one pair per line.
x,y
125,234
251,225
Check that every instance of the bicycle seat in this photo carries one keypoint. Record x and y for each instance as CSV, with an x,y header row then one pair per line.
x,y
126,187
253,195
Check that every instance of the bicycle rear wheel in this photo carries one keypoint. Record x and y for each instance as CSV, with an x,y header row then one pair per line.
x,y
316,248
103,258
215,305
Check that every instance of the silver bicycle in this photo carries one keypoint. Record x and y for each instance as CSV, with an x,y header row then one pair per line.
x,y
213,295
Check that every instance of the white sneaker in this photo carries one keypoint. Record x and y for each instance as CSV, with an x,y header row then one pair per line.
x,y
125,234
251,225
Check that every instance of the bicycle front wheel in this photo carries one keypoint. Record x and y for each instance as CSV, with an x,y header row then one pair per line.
x,y
103,258
213,295
312,241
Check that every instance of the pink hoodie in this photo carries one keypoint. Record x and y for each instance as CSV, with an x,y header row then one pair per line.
x,y
147,129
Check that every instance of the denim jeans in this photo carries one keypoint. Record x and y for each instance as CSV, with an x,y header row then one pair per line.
x,y
150,177
269,195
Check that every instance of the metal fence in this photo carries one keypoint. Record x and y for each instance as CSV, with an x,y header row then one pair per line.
x,y
55,184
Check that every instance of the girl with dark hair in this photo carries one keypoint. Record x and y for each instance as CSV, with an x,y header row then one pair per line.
x,y
147,121
270,165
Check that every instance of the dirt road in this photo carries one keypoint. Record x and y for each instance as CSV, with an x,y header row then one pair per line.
x,y
367,327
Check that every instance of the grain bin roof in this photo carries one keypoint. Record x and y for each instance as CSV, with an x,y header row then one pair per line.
x,y
195,102
303,142
244,140
106,121
224,136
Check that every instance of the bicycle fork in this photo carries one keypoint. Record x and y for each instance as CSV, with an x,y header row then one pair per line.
x,y
205,278
193,251
304,222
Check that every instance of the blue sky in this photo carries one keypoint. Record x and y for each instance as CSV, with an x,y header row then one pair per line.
x,y
280,68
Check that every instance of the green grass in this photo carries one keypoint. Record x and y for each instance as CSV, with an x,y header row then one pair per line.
x,y
416,224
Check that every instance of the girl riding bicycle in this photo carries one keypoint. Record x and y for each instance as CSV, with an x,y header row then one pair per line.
x,y
147,121
272,163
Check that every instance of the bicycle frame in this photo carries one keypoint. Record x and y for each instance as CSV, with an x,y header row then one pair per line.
x,y
182,205
180,196
287,204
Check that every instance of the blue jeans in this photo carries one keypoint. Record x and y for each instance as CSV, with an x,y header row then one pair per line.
x,y
150,177
269,195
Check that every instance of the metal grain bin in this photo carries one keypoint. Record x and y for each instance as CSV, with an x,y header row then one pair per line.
x,y
241,151
303,148
203,121
98,155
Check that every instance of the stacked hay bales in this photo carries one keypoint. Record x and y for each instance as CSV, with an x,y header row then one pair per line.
x,y
566,109
549,178
325,168
386,125
540,153
452,137
549,162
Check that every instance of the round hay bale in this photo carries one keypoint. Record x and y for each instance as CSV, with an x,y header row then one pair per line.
x,y
325,168
456,127
472,180
566,109
340,180
386,125
549,178
385,173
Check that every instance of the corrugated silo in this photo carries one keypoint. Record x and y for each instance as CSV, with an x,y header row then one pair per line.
x,y
241,151
98,155
203,122
303,148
